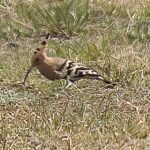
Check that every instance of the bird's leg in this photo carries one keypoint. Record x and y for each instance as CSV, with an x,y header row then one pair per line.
x,y
69,83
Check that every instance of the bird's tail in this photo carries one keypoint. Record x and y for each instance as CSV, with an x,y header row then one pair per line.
x,y
78,72
106,81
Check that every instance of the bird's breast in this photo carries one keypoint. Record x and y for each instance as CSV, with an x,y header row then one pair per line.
x,y
48,72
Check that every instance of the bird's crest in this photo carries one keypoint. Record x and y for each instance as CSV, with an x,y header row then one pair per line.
x,y
43,43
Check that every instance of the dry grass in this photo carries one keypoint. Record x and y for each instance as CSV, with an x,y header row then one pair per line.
x,y
47,116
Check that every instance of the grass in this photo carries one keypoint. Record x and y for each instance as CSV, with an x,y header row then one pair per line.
x,y
114,40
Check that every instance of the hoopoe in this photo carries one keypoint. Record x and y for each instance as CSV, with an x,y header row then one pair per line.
x,y
54,68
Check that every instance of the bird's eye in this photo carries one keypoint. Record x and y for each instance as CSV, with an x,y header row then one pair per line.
x,y
35,52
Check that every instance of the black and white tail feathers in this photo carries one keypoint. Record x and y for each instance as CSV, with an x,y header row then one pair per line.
x,y
76,71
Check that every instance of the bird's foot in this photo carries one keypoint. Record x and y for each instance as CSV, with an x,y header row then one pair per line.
x,y
72,84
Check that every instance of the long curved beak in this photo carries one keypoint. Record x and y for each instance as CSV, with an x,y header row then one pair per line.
x,y
29,70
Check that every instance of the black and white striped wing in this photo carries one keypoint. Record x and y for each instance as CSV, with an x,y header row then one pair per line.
x,y
75,71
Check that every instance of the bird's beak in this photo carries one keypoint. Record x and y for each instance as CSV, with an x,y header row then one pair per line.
x,y
29,70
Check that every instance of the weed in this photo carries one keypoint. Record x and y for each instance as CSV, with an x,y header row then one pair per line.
x,y
112,38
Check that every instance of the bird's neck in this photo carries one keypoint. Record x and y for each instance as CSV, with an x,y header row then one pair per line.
x,y
42,57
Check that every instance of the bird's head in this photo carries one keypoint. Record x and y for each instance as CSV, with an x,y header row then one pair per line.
x,y
38,55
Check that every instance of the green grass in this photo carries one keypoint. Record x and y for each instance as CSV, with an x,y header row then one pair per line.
x,y
113,39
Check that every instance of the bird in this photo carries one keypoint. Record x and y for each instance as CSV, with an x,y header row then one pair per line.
x,y
55,68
